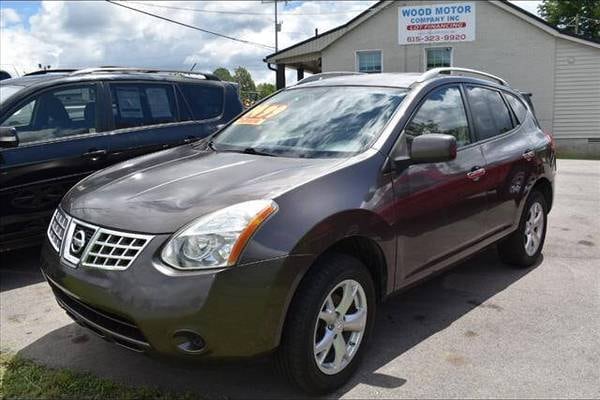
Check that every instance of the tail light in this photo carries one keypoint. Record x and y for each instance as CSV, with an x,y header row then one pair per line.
x,y
551,139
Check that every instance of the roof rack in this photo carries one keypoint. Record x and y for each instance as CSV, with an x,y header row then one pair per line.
x,y
94,70
49,71
432,73
326,75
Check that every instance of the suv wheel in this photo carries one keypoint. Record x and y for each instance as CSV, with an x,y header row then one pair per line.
x,y
328,324
524,246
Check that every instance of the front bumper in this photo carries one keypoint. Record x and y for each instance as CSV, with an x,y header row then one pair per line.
x,y
238,311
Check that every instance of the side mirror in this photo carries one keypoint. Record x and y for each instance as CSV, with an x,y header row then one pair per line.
x,y
8,137
433,147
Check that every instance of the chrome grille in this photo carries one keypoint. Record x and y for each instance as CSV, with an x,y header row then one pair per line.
x,y
113,250
57,228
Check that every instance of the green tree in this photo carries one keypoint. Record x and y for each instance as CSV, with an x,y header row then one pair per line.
x,y
223,74
244,79
576,16
247,87
265,89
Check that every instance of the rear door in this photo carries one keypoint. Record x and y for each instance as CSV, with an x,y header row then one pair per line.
x,y
507,148
441,207
146,117
59,144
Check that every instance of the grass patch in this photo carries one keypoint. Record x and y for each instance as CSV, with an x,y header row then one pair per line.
x,y
23,379
576,156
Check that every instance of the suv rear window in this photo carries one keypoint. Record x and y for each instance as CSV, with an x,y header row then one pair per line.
x,y
490,114
136,104
205,101
517,106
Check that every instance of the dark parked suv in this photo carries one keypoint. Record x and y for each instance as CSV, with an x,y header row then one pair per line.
x,y
285,229
56,127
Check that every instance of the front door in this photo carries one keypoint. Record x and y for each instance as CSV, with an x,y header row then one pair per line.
x,y
58,146
441,207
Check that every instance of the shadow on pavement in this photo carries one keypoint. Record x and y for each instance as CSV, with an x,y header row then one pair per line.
x,y
20,268
402,322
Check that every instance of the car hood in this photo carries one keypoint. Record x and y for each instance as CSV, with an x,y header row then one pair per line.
x,y
161,192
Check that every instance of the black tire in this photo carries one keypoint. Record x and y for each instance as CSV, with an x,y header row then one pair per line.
x,y
295,356
512,248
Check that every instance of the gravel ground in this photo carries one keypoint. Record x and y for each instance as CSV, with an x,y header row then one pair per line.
x,y
482,329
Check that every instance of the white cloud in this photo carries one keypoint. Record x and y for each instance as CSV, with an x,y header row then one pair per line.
x,y
91,33
528,5
8,16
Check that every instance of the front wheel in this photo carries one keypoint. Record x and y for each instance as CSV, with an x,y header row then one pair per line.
x,y
328,324
524,246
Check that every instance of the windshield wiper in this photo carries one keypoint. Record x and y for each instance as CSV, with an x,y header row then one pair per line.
x,y
248,150
252,150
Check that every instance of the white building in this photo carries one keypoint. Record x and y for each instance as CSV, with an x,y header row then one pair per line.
x,y
561,70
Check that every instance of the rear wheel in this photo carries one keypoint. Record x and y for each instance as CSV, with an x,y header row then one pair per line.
x,y
524,246
328,324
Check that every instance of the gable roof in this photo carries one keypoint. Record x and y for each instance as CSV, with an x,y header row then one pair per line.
x,y
319,42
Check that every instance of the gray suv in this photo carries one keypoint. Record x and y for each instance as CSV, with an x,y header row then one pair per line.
x,y
284,230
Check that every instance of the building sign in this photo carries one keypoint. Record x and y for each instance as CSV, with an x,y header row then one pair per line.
x,y
436,23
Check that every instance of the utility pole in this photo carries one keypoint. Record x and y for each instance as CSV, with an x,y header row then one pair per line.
x,y
277,23
276,28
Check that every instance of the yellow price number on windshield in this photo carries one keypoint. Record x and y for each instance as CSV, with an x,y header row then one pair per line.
x,y
260,114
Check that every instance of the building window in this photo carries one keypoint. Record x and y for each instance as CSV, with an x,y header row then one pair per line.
x,y
438,57
369,61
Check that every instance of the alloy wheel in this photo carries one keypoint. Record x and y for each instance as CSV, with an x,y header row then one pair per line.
x,y
340,326
534,228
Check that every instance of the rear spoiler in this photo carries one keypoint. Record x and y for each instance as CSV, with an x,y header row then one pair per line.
x,y
527,96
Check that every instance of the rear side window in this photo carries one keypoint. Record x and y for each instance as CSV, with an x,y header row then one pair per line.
x,y
490,114
205,101
142,104
442,111
517,106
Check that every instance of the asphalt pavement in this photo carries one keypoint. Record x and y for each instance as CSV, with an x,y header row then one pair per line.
x,y
483,329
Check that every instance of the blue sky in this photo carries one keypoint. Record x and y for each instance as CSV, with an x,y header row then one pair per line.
x,y
83,33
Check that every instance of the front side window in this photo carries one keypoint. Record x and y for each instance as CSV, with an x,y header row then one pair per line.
x,y
205,101
369,61
443,111
438,57
55,114
490,115
313,122
517,106
136,104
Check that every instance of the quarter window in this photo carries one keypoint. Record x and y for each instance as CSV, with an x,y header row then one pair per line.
x,y
142,104
490,115
206,101
55,114
442,112
369,61
517,106
438,57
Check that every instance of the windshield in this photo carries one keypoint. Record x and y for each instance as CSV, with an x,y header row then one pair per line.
x,y
313,122
8,90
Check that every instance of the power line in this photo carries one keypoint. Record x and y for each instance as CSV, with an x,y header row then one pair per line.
x,y
208,11
191,26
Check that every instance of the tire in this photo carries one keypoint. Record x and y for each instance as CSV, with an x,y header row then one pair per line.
x,y
330,277
517,249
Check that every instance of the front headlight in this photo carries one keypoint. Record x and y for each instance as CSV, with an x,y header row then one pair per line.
x,y
217,239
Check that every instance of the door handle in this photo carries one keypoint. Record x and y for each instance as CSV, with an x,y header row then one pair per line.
x,y
529,155
476,173
95,155
189,139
